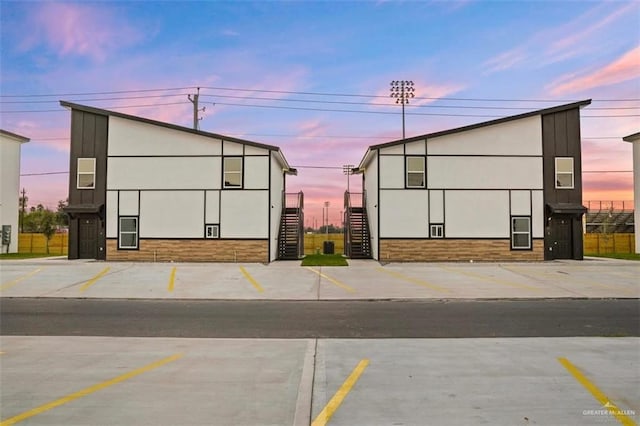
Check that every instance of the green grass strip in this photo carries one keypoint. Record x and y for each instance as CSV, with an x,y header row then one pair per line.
x,y
27,255
324,260
623,256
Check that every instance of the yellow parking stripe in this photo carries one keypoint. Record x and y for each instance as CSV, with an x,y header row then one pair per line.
x,y
10,284
172,279
414,280
336,282
251,280
89,390
93,280
329,410
597,393
489,279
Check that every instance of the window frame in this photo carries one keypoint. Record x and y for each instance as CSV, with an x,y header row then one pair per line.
x,y
212,226
571,173
224,172
439,226
514,233
407,172
79,173
136,233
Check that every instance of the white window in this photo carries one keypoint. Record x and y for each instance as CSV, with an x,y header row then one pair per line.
x,y
128,234
86,173
415,172
564,172
436,230
212,231
232,172
520,233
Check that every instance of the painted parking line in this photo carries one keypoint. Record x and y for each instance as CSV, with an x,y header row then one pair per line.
x,y
491,280
172,279
10,284
414,280
333,280
93,280
253,282
567,277
334,403
603,399
88,391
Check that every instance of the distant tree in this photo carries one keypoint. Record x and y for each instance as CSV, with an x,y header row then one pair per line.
x,y
61,217
48,225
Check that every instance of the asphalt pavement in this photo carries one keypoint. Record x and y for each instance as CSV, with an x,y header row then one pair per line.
x,y
65,360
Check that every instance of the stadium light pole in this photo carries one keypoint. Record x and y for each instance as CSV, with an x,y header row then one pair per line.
x,y
402,91
347,169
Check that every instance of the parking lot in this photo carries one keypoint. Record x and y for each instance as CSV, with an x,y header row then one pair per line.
x,y
363,279
189,381
161,381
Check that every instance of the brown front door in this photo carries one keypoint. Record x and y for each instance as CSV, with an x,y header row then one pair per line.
x,y
88,238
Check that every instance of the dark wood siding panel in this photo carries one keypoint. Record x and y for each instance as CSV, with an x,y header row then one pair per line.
x,y
548,150
88,140
575,151
89,135
561,145
561,138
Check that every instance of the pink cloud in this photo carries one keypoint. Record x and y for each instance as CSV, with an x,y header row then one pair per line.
x,y
505,60
578,37
624,68
580,29
79,29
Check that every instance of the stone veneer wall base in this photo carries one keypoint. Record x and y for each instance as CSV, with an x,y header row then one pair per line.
x,y
175,250
456,250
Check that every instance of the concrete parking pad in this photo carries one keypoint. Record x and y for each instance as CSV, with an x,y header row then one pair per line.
x,y
499,381
477,381
232,382
287,280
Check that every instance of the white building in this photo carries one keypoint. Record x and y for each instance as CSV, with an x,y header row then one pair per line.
x,y
10,144
507,189
145,190
635,140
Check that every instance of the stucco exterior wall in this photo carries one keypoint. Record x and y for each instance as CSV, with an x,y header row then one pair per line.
x,y
10,186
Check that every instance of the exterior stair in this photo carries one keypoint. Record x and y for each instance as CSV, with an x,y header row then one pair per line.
x,y
291,235
357,237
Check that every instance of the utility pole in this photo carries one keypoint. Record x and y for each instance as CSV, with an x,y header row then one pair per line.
x,y
23,206
402,91
194,101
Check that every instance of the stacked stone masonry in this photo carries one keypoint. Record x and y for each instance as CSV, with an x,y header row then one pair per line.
x,y
434,250
159,250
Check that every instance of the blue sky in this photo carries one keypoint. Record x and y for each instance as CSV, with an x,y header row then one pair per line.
x,y
477,52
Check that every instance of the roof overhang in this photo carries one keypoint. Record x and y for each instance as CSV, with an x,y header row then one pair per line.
x,y
632,138
79,209
14,136
566,208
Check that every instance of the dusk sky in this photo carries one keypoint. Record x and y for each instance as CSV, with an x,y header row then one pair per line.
x,y
313,77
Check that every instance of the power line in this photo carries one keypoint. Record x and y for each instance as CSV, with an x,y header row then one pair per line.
x,y
311,109
291,92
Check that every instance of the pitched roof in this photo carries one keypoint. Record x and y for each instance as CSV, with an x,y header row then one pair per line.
x,y
15,136
100,111
544,111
